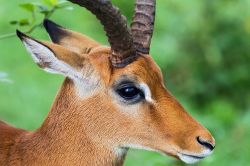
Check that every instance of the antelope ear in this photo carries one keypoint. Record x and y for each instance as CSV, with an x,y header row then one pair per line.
x,y
72,40
53,58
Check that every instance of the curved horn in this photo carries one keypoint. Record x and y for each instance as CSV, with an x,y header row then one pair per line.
x,y
142,26
115,25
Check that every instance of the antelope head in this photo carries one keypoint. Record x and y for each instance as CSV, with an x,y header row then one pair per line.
x,y
118,92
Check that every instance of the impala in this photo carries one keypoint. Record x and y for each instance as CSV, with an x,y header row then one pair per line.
x,y
113,98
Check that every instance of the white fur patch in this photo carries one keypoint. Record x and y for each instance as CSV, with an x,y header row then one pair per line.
x,y
89,84
188,159
171,149
147,92
185,157
191,158
139,147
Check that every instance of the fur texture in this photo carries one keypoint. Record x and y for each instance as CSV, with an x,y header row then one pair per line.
x,y
94,127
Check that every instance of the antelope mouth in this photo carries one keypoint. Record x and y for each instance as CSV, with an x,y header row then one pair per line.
x,y
190,159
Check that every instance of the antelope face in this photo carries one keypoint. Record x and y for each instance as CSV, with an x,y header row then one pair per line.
x,y
124,83
143,114
154,118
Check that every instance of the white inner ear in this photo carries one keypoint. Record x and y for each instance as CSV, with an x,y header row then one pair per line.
x,y
45,58
87,81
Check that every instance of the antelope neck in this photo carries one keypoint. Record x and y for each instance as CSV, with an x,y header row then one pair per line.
x,y
62,139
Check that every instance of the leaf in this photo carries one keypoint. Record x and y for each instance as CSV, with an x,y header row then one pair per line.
x,y
54,2
14,22
45,12
28,6
24,22
68,8
43,9
47,2
62,2
51,2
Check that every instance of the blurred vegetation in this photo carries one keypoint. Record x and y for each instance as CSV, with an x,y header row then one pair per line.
x,y
202,47
44,7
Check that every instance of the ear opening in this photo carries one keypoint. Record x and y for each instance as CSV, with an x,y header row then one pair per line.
x,y
74,41
53,58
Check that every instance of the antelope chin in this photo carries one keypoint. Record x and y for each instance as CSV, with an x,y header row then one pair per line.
x,y
191,159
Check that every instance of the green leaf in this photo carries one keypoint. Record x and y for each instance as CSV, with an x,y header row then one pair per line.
x,y
68,8
28,6
42,8
47,2
62,1
62,4
45,12
51,2
54,2
14,22
24,22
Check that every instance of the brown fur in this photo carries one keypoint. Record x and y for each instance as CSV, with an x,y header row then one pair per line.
x,y
99,129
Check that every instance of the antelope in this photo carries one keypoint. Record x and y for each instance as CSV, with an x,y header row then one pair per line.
x,y
112,99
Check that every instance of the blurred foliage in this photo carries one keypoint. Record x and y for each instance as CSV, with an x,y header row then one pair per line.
x,y
202,47
4,77
217,41
42,7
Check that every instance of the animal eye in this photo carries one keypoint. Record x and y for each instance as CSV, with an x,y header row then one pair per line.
x,y
130,93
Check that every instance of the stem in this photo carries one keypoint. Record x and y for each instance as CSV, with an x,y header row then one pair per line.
x,y
14,34
50,13
7,36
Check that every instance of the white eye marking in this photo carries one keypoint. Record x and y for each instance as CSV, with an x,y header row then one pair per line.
x,y
144,87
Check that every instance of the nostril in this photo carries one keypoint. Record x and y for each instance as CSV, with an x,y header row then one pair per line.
x,y
205,143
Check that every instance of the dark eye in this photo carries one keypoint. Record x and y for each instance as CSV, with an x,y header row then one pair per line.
x,y
130,92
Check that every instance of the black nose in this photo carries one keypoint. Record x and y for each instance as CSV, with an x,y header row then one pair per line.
x,y
205,143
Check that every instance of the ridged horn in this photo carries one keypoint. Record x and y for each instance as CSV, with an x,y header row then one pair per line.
x,y
142,26
115,25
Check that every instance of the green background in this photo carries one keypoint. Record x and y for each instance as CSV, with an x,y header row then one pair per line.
x,y
202,47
